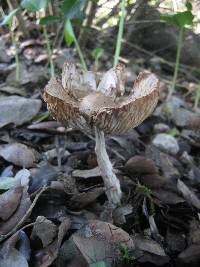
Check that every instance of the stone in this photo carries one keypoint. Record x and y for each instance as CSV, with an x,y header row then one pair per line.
x,y
167,143
161,128
181,117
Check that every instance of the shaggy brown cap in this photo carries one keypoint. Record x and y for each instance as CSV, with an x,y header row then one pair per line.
x,y
84,99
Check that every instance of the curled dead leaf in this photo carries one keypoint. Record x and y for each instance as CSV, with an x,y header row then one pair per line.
x,y
9,202
18,154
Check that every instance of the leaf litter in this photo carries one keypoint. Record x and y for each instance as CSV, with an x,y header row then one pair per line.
x,y
53,207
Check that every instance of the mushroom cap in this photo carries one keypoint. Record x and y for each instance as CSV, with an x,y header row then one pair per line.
x,y
84,99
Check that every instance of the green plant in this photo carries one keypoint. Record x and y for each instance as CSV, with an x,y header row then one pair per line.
x,y
70,9
98,264
180,19
120,33
35,6
127,257
97,53
8,20
174,132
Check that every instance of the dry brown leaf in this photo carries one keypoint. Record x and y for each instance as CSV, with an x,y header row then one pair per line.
x,y
148,245
25,204
9,201
18,110
101,241
46,256
95,172
18,154
45,230
188,194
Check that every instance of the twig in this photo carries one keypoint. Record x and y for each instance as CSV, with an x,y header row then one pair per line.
x,y
2,237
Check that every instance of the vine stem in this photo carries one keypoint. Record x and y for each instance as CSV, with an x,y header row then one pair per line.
x,y
112,185
16,53
49,50
178,53
120,33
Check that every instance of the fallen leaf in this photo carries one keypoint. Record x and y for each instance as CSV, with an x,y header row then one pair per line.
x,y
6,227
45,230
18,110
21,179
167,197
43,176
23,245
95,172
46,256
101,241
9,201
18,154
189,195
14,258
32,75
191,255
149,245
12,90
81,200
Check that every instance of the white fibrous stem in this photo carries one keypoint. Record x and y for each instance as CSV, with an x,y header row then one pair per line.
x,y
112,185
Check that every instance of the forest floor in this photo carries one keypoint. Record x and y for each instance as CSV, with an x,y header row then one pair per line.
x,y
53,207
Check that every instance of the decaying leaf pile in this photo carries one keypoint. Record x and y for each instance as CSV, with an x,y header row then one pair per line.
x,y
53,207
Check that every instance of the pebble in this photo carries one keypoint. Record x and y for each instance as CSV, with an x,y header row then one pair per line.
x,y
167,143
161,128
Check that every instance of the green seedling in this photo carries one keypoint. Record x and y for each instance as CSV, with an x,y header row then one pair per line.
x,y
127,257
35,6
8,20
143,190
174,132
120,33
180,20
71,9
97,53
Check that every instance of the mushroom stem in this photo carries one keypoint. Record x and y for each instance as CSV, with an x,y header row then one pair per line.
x,y
112,185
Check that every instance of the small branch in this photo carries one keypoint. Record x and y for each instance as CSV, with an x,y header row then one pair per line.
x,y
112,185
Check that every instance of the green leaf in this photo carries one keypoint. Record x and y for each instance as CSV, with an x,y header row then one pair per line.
x,y
98,264
181,19
71,8
50,19
174,132
97,53
41,117
8,19
184,18
68,33
34,5
168,18
189,6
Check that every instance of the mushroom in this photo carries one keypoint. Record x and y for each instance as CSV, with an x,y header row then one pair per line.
x,y
97,103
